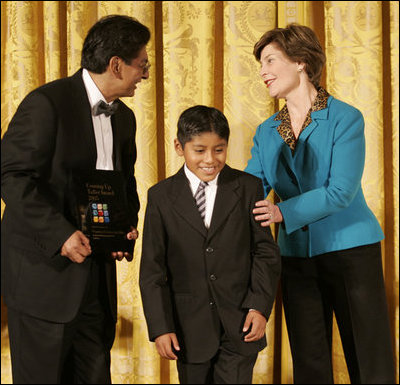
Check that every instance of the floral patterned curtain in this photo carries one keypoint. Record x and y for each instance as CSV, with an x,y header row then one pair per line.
x,y
201,53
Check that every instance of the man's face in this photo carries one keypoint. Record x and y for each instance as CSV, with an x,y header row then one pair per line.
x,y
133,73
205,155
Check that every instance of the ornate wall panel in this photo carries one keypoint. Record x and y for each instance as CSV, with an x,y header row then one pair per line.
x,y
394,81
354,58
54,49
81,15
188,38
22,54
246,100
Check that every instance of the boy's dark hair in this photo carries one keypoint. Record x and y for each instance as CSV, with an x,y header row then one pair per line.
x,y
300,44
198,119
113,35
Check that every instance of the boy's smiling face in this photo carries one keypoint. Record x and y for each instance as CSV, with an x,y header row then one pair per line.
x,y
205,155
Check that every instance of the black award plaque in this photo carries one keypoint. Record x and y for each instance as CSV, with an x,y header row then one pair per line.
x,y
103,211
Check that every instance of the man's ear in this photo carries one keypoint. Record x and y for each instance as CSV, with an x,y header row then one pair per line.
x,y
115,66
178,147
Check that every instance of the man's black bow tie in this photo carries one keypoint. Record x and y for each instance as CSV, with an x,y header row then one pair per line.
x,y
103,108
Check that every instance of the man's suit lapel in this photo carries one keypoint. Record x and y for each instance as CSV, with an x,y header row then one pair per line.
x,y
82,113
118,124
184,203
225,200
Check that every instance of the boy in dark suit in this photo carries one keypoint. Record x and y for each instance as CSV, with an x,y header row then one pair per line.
x,y
208,272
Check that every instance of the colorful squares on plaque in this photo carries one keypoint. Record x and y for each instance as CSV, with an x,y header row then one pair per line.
x,y
100,213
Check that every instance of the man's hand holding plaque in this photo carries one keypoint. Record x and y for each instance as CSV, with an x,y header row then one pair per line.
x,y
120,255
103,215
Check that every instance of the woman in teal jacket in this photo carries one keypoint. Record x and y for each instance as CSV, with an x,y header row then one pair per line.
x,y
312,153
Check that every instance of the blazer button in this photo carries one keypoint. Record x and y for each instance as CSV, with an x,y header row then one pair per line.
x,y
209,249
305,228
213,277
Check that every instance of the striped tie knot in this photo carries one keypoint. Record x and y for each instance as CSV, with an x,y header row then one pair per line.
x,y
200,198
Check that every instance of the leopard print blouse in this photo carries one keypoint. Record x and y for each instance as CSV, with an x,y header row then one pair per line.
x,y
285,128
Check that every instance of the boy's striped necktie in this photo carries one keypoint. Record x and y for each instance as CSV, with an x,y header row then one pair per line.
x,y
200,197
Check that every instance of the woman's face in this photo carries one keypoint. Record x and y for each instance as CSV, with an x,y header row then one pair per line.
x,y
280,74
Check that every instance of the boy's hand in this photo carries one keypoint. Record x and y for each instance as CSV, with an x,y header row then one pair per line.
x,y
257,322
164,344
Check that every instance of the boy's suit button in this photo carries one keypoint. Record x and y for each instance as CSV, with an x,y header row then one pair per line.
x,y
209,249
213,277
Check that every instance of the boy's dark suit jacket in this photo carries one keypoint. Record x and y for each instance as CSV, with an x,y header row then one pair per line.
x,y
189,275
49,139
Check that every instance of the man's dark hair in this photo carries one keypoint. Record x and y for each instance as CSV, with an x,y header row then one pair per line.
x,y
198,119
114,35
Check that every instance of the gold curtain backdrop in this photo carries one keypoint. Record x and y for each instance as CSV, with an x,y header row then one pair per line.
x,y
201,53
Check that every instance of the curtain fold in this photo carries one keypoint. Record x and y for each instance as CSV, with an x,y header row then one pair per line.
x,y
201,53
392,138
188,49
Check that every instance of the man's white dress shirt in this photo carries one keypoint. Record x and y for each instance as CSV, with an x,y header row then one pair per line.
x,y
102,126
210,191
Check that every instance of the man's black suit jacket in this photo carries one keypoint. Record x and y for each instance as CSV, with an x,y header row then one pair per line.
x,y
51,139
189,274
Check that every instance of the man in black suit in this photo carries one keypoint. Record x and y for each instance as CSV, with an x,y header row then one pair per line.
x,y
209,272
61,297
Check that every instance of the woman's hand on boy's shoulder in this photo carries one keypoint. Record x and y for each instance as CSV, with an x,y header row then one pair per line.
x,y
267,213
255,326
166,344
